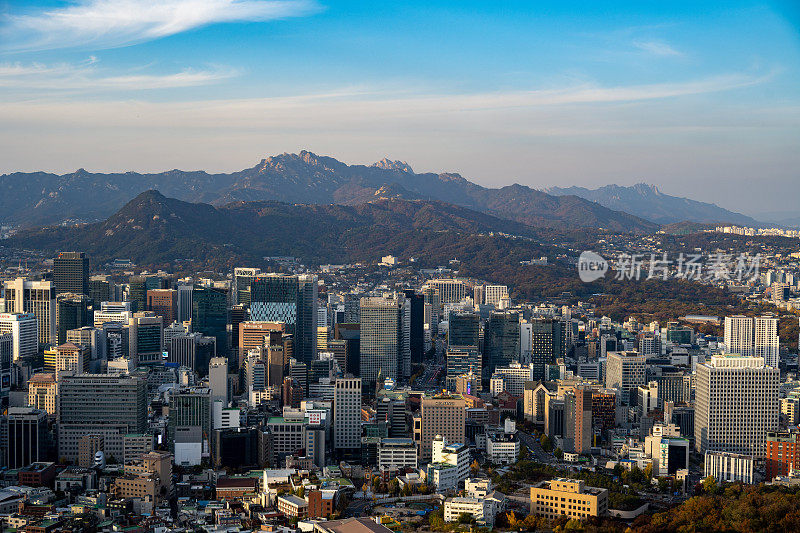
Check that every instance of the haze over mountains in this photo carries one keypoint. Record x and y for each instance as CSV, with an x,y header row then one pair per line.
x,y
39,198
648,202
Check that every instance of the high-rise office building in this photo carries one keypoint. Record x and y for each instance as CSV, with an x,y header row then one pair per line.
x,y
461,360
72,312
293,301
237,315
416,301
450,290
71,359
443,416
193,350
145,338
464,330
37,297
101,289
190,407
381,331
218,380
28,439
347,416
210,315
492,294
23,328
736,404
625,371
501,342
254,334
113,312
185,302
578,419
547,344
6,361
71,273
242,278
102,404
42,392
164,303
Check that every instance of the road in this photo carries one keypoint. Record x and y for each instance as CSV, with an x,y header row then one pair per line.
x,y
535,448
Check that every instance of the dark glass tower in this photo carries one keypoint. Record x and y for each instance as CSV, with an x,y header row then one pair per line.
x,y
71,273
210,315
293,301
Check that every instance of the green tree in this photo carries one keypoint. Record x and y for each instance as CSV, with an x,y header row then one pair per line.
x,y
710,485
465,518
394,487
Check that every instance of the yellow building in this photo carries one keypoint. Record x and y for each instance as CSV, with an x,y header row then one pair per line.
x,y
568,497
42,392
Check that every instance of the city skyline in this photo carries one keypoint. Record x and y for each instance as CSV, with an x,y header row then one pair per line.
x,y
700,101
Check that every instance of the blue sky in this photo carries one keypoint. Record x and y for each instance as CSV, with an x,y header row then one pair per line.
x,y
699,98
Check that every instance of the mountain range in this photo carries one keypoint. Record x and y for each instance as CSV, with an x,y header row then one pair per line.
x,y
648,202
154,229
39,198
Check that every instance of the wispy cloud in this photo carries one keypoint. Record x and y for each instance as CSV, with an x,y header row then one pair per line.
x,y
657,48
86,76
112,23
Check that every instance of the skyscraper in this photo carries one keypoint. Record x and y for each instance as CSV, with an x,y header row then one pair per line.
x,y
242,278
101,289
293,301
625,371
450,290
72,313
23,328
347,416
37,297
102,404
753,336
28,439
464,330
218,380
210,315
71,273
501,341
440,416
766,343
736,404
739,335
380,339
417,326
145,338
164,303
184,302
548,343
194,351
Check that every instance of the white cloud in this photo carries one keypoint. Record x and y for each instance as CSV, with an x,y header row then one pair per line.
x,y
657,48
86,76
111,23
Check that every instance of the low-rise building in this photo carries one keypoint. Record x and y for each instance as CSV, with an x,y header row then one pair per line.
x,y
292,506
730,467
568,497
397,453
